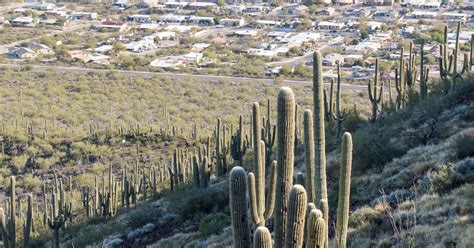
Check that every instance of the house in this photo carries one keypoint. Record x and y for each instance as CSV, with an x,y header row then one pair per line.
x,y
363,48
232,22
95,58
333,59
22,21
201,6
83,16
378,2
168,62
42,6
300,39
148,26
374,25
175,5
170,18
235,9
332,26
112,26
245,32
141,45
254,9
139,18
192,57
199,47
21,53
39,48
104,48
388,15
202,20
416,4
179,28
357,13
262,52
49,22
418,14
344,2
268,23
452,16
145,4
294,9
165,35
329,11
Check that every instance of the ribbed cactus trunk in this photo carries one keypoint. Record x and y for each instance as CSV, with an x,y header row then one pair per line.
x,y
316,229
324,207
309,152
285,160
375,94
196,171
319,132
296,217
29,222
258,163
238,207
12,222
262,238
344,192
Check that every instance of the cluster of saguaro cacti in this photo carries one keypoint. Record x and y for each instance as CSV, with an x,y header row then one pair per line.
x,y
296,221
239,143
375,92
104,201
222,148
332,105
448,62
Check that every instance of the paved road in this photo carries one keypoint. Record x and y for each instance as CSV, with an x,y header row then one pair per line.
x,y
177,75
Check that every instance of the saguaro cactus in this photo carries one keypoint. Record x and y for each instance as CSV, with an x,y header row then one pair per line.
x,y
28,223
262,238
309,152
400,81
285,160
316,230
238,145
344,192
238,207
262,209
373,89
448,63
424,73
8,223
319,132
296,217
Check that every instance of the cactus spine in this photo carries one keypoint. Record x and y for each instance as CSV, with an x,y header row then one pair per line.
x,y
285,160
309,152
319,132
262,238
344,192
372,89
296,217
238,207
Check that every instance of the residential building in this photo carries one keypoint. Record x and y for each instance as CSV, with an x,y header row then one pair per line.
x,y
344,2
167,62
165,35
328,11
175,5
300,39
452,16
42,6
418,14
85,57
201,6
21,53
246,32
112,26
141,45
39,48
170,18
83,16
332,26
202,20
22,21
294,9
232,22
387,15
378,2
333,59
139,18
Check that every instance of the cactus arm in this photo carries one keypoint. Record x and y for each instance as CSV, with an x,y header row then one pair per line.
x,y
309,152
270,201
253,199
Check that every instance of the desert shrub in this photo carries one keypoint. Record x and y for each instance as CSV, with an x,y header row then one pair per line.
x,y
214,224
192,202
29,182
442,180
465,170
464,145
403,179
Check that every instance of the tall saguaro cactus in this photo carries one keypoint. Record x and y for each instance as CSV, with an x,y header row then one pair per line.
x,y
448,63
296,217
400,81
319,132
238,207
308,139
8,223
344,192
373,89
424,73
285,160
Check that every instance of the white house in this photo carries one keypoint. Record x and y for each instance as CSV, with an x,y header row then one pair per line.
x,y
326,25
22,21
232,22
202,20
21,53
453,16
419,14
139,18
332,59
170,18
246,32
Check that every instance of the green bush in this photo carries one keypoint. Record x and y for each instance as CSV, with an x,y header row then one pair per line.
x,y
214,223
464,145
